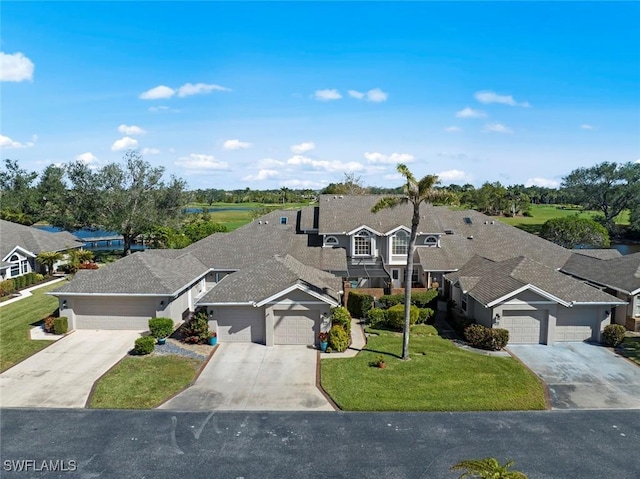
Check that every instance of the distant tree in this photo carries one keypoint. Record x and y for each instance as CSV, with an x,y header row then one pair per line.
x,y
415,193
198,230
51,192
608,187
572,231
18,198
48,259
351,185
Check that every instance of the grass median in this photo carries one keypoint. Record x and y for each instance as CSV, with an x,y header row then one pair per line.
x,y
439,377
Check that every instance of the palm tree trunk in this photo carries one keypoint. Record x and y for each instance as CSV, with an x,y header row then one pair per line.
x,y
408,275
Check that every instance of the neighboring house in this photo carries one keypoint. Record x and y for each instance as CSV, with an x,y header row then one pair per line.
x,y
20,245
617,275
274,280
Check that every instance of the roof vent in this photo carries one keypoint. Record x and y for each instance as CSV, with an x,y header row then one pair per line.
x,y
266,222
493,222
448,232
341,196
470,237
486,222
259,222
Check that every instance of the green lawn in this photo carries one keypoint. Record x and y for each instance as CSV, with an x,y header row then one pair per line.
x,y
237,215
630,348
143,382
17,319
542,213
439,377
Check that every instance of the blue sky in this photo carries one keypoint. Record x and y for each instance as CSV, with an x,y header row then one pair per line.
x,y
265,95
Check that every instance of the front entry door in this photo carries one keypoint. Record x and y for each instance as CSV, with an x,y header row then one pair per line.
x,y
396,277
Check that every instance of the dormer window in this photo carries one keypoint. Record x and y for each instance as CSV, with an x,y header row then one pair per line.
x,y
431,241
331,241
363,243
400,243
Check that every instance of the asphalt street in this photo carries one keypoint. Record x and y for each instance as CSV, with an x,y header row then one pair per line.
x,y
168,444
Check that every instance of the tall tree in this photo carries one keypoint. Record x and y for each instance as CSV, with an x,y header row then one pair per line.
x,y
608,187
572,231
17,195
415,193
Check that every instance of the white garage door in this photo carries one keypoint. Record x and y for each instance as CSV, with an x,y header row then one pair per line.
x,y
296,327
524,326
241,324
575,324
113,313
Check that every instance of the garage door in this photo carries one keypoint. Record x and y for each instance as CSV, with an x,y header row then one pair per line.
x,y
241,324
296,327
524,326
575,324
113,313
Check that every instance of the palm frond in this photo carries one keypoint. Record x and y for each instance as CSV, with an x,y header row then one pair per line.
x,y
404,171
427,183
487,468
387,202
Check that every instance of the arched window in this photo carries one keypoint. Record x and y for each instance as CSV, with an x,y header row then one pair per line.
x,y
431,241
14,258
362,243
331,241
400,242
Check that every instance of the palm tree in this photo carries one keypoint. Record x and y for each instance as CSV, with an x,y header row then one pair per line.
x,y
487,468
49,259
414,193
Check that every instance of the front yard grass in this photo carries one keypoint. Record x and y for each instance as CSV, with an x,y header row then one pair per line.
x,y
439,377
143,382
630,348
16,319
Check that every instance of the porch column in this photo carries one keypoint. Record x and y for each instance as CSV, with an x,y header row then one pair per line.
x,y
269,326
551,325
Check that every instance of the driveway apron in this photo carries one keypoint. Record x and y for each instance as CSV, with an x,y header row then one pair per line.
x,y
252,377
62,375
583,376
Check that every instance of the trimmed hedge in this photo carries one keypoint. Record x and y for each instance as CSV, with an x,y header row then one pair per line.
x,y
338,338
340,316
376,317
60,325
421,299
613,334
7,287
492,339
144,345
395,316
359,304
161,327
388,300
426,316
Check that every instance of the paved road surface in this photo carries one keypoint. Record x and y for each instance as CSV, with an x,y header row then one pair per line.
x,y
166,444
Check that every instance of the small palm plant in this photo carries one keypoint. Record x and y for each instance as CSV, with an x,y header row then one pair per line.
x,y
487,468
49,259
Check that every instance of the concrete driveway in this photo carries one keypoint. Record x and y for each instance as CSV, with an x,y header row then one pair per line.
x,y
253,377
583,376
63,374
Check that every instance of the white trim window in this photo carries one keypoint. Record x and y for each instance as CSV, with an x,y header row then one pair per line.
x,y
15,265
363,243
331,241
400,243
431,241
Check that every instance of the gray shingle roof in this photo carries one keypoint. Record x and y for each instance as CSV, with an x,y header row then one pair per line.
x,y
309,218
267,278
33,239
487,281
148,272
622,273
599,253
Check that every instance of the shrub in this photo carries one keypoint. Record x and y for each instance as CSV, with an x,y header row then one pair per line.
x,y
395,316
87,266
389,300
60,325
613,334
426,316
7,287
20,282
379,362
338,338
486,338
39,277
359,304
49,324
30,278
144,345
161,327
376,317
196,330
340,317
424,299
475,334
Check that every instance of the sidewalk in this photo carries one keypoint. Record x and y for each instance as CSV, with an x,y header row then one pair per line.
x,y
358,342
25,293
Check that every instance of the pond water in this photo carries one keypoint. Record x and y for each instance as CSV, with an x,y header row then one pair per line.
x,y
87,233
627,248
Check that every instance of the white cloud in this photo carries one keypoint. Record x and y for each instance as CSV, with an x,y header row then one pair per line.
x,y
154,109
488,97
327,95
305,184
392,159
150,151
189,89
544,182
131,130
87,158
124,143
393,176
377,95
158,92
356,94
200,162
303,147
236,145
329,166
453,129
270,163
470,113
6,142
15,67
453,176
586,126
261,175
638,160
497,128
